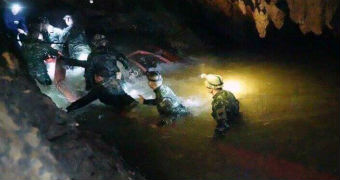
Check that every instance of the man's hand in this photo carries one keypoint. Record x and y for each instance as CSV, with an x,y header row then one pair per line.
x,y
119,75
16,22
54,46
21,31
141,99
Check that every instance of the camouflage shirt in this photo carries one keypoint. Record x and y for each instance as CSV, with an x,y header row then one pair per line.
x,y
224,106
166,101
54,37
76,42
35,52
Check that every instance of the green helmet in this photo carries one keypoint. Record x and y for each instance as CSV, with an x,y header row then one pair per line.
x,y
154,76
99,40
213,81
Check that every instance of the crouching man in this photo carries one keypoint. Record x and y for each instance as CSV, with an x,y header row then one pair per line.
x,y
225,107
168,105
108,89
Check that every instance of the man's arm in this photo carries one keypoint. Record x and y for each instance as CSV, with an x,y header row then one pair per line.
x,y
89,73
23,24
74,62
91,96
51,51
150,102
220,113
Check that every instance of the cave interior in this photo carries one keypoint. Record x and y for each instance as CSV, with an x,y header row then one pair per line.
x,y
280,58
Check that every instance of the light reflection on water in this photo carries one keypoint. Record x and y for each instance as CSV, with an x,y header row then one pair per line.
x,y
261,89
281,113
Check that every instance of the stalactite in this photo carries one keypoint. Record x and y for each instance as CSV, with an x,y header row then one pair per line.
x,y
242,7
276,15
330,9
313,17
310,15
261,21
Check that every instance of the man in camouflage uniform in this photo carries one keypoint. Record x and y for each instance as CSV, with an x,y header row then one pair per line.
x,y
168,105
102,55
225,107
108,89
51,34
75,40
35,52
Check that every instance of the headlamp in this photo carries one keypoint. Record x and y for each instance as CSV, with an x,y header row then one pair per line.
x,y
16,8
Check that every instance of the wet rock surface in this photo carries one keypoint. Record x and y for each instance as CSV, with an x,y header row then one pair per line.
x,y
40,141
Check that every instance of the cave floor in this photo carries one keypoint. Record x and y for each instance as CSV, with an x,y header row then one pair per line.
x,y
288,127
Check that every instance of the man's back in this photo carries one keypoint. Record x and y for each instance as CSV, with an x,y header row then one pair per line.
x,y
103,57
111,93
225,99
167,101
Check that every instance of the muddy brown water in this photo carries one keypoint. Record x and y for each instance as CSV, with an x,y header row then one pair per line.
x,y
288,127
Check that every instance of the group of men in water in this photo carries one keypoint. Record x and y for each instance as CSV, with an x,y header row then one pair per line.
x,y
42,42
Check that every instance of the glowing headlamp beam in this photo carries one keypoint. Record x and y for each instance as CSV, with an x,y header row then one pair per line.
x,y
233,86
16,8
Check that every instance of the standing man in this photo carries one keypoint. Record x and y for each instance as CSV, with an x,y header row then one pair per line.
x,y
51,34
15,22
168,105
225,107
75,40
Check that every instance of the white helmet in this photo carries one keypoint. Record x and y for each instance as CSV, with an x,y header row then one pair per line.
x,y
212,81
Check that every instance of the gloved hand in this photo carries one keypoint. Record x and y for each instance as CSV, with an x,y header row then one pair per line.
x,y
141,99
